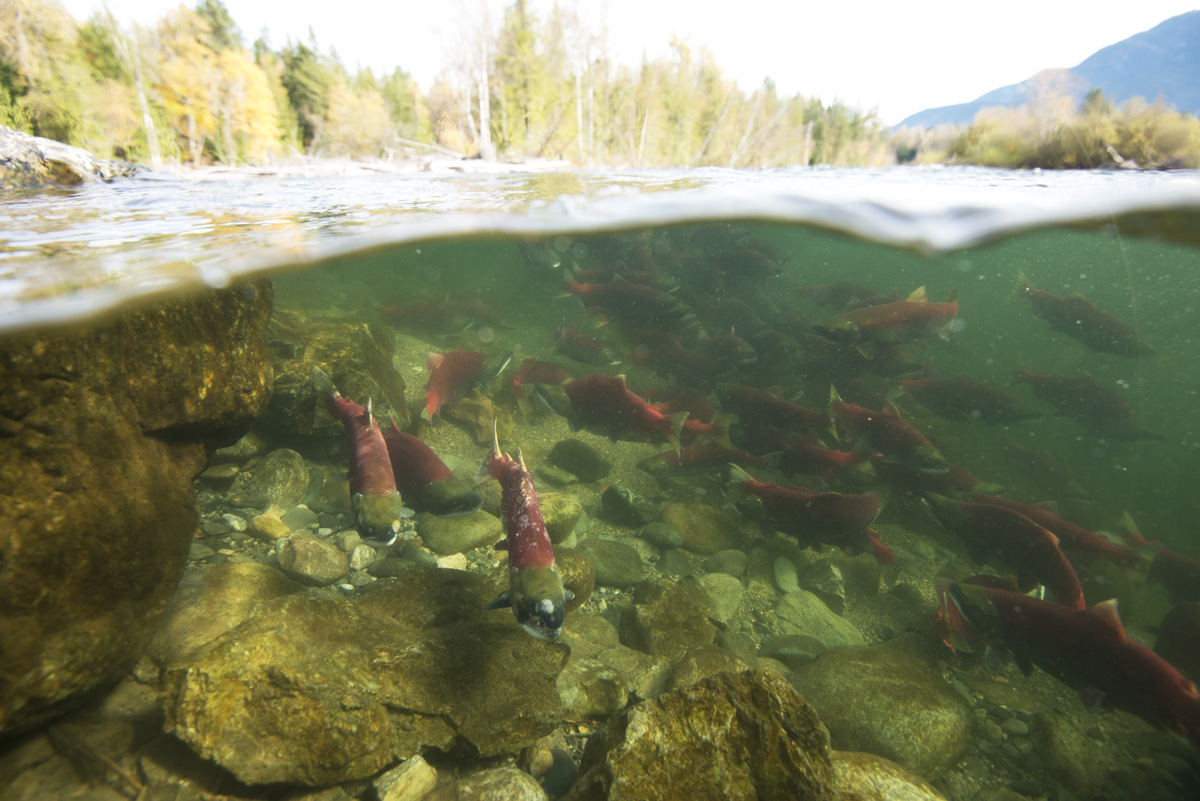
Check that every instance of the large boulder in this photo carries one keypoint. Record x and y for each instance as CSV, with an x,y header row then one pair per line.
x,y
317,692
733,735
101,432
32,161
884,702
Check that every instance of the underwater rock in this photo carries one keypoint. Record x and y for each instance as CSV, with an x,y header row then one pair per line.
x,y
733,735
240,452
312,561
674,562
591,689
220,476
104,429
793,650
700,663
280,479
724,592
495,784
887,703
617,564
645,676
1068,753
589,634
451,535
787,577
317,692
357,356
867,777
705,529
624,506
662,535
560,512
731,562
209,602
411,780
825,581
801,612
666,620
30,162
578,573
580,459
268,526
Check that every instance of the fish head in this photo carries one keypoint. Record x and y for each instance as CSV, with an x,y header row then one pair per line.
x,y
839,331
923,459
539,601
378,517
944,510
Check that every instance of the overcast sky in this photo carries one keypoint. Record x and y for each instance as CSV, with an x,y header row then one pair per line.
x,y
896,57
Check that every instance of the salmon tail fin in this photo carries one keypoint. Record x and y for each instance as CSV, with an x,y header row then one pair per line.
x,y
677,420
721,424
1022,287
737,477
322,383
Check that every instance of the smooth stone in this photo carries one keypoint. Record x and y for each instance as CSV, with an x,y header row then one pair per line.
x,y
787,577
1015,727
666,620
310,560
390,567
801,612
867,777
220,473
674,563
268,527
591,689
411,780
731,562
214,528
825,580
494,784
885,702
299,517
724,591
732,735
452,535
700,663
645,675
198,552
617,564
210,601
348,540
279,479
235,522
361,556
624,506
245,448
661,534
560,511
705,529
793,650
556,476
579,458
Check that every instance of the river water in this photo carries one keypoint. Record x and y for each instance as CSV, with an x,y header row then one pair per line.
x,y
373,247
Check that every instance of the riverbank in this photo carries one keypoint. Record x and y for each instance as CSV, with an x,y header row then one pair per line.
x,y
313,167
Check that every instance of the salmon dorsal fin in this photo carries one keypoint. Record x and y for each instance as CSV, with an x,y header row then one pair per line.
x,y
918,295
621,378
889,408
1106,613
432,360
1048,506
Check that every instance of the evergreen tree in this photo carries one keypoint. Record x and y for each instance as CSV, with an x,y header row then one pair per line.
x,y
307,82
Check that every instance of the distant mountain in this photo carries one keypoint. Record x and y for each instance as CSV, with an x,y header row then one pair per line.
x,y
1162,62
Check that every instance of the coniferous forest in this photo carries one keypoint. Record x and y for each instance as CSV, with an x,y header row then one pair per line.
x,y
191,90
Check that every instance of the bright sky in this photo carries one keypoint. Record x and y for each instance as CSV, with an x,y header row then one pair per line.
x,y
896,57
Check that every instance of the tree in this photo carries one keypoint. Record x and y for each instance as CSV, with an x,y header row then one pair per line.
x,y
223,33
307,82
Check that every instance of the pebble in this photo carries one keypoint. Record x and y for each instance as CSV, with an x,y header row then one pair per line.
x,y
348,539
1002,713
787,577
731,562
299,517
213,528
663,535
361,556
324,532
235,522
1014,726
199,551
991,730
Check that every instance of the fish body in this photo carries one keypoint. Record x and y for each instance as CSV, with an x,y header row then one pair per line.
x,y
451,376
1087,649
635,304
838,294
1079,544
811,517
797,455
1088,402
964,398
890,323
1028,548
1076,316
604,405
375,502
536,594
585,348
699,459
757,407
889,434
955,479
536,371
425,480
